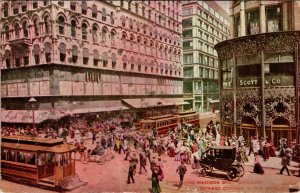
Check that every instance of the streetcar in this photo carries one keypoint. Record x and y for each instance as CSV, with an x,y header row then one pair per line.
x,y
168,122
40,161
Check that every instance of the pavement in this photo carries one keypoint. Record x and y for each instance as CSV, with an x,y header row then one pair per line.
x,y
272,163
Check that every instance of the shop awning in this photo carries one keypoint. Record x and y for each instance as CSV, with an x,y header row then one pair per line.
x,y
25,116
154,102
98,109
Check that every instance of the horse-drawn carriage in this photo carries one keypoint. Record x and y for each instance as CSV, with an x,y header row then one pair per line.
x,y
221,158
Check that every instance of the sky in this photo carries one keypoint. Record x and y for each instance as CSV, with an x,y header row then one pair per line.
x,y
224,4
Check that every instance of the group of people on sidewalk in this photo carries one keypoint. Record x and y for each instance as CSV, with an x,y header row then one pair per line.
x,y
266,149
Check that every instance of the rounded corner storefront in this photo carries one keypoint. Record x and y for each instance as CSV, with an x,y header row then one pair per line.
x,y
258,83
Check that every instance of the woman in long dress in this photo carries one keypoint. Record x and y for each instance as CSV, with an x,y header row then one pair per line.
x,y
257,167
155,182
272,149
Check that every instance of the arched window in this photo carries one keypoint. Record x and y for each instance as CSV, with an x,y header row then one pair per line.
x,y
46,2
36,53
85,56
112,20
104,59
47,24
48,52
61,3
24,6
124,62
62,52
35,4
84,7
94,11
15,7
104,34
36,27
113,60
17,59
123,20
139,65
94,33
25,29
103,14
132,62
17,30
61,25
7,58
5,10
130,23
84,31
74,54
136,8
73,5
96,57
73,28
6,29
143,11
159,18
25,57
112,36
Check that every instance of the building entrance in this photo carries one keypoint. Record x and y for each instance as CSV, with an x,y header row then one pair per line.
x,y
281,128
248,129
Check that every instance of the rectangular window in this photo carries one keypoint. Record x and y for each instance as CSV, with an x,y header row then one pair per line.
x,y
252,22
187,33
187,45
249,70
187,22
187,58
273,19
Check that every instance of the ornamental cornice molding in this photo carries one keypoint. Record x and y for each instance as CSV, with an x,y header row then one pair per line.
x,y
254,44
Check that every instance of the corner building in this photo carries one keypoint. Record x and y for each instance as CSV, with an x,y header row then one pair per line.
x,y
259,69
90,56
204,24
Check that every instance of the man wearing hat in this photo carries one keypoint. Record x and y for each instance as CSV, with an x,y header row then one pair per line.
x,y
286,161
181,170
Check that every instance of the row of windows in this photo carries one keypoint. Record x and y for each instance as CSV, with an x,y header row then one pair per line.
x,y
189,45
200,72
201,59
22,59
210,19
23,5
273,21
153,33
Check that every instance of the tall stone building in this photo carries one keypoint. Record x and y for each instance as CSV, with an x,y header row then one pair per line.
x,y
90,56
260,70
204,24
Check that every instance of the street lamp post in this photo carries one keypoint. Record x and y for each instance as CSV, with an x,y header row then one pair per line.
x,y
32,101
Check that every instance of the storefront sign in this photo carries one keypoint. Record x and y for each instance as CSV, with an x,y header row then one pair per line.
x,y
269,81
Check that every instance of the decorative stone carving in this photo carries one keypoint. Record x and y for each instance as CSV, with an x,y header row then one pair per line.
x,y
248,103
227,106
254,44
280,102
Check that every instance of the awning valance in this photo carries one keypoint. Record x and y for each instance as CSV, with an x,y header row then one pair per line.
x,y
25,116
98,109
154,102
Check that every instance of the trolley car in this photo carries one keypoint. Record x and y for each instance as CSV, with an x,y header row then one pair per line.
x,y
40,161
163,123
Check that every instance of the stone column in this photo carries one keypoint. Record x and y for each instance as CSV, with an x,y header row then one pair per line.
x,y
262,18
284,16
232,23
243,18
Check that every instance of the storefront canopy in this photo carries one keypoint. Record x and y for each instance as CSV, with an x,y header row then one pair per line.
x,y
154,102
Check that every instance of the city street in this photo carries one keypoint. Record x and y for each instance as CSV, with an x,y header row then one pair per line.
x,y
112,177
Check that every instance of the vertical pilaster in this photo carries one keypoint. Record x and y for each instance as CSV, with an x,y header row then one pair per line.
x,y
243,18
262,18
263,109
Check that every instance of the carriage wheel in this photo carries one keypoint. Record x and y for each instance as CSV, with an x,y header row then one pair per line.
x,y
242,170
233,174
202,172
100,160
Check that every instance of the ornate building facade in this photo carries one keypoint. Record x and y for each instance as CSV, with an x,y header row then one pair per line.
x,y
204,24
259,70
89,56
